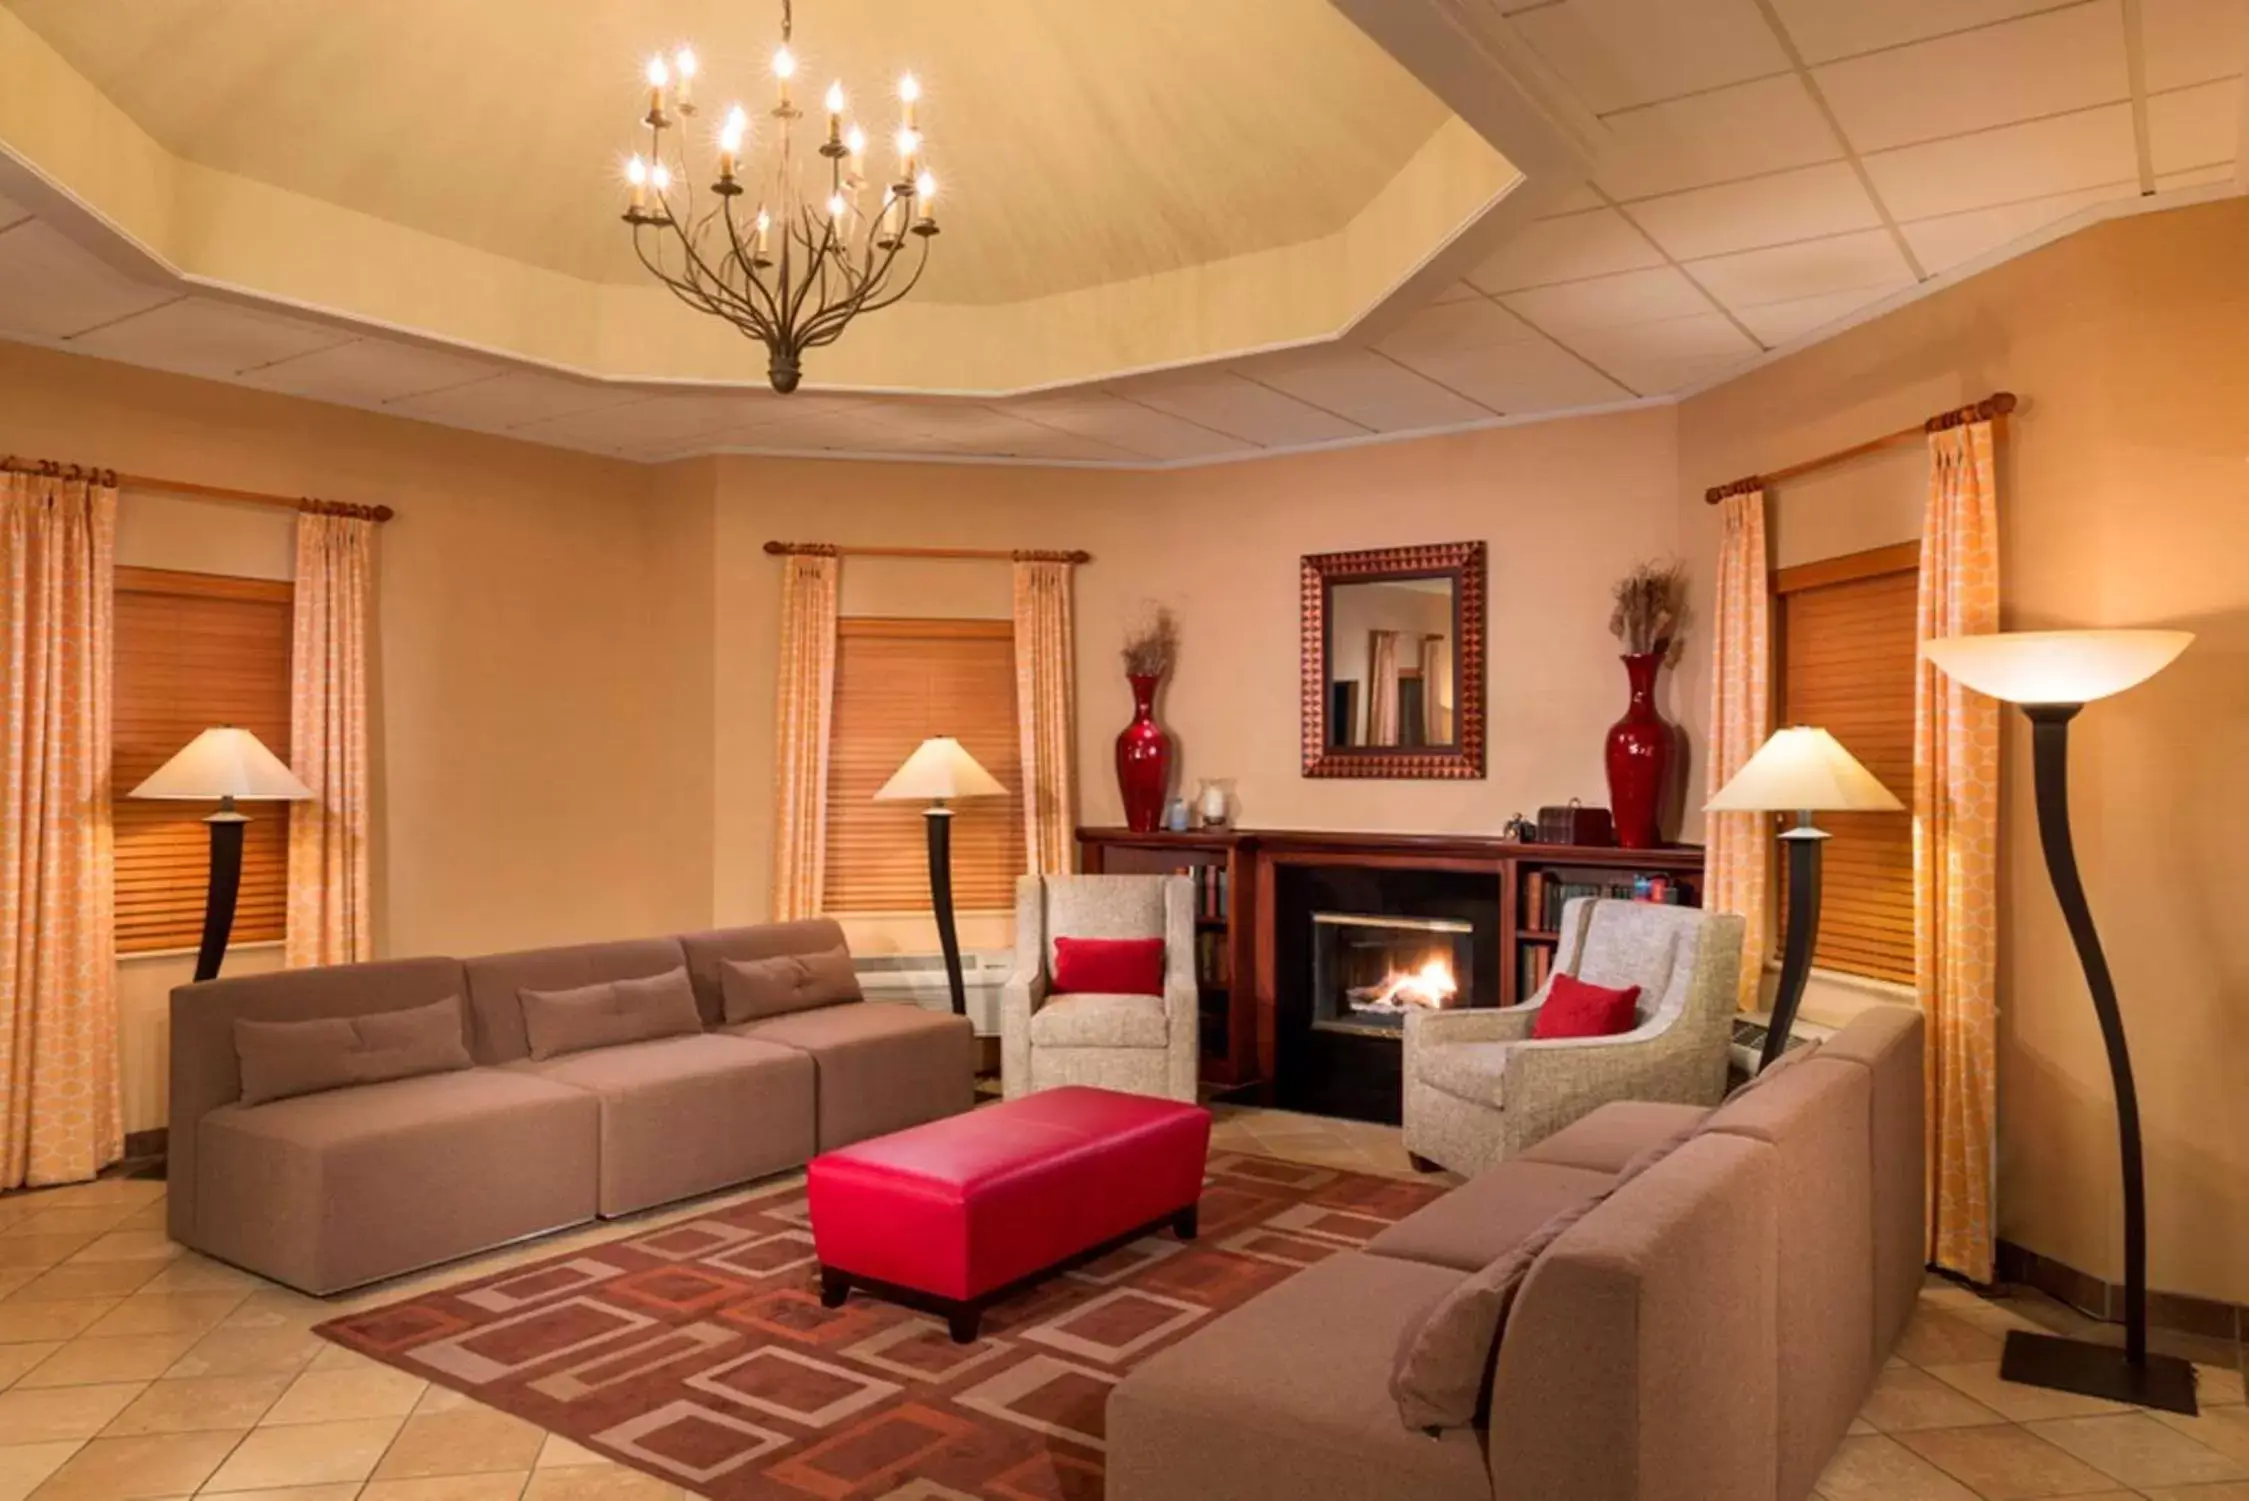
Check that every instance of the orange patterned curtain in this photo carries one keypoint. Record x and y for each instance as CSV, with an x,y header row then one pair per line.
x,y
1046,712
60,1118
1740,845
803,714
1382,687
329,887
1956,852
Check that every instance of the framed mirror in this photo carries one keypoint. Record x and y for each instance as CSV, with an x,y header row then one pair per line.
x,y
1393,662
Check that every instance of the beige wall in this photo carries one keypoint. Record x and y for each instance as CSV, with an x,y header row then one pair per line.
x,y
544,751
2125,492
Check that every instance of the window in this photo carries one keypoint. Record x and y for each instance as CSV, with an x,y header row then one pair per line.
x,y
898,682
1847,653
194,650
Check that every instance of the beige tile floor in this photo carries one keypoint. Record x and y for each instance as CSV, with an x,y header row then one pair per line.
x,y
131,1370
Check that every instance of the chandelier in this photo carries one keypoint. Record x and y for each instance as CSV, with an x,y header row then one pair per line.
x,y
796,269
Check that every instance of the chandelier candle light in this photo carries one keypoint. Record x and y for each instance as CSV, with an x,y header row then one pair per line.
x,y
814,253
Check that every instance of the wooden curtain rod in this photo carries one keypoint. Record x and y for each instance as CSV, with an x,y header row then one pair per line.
x,y
1998,404
49,467
832,550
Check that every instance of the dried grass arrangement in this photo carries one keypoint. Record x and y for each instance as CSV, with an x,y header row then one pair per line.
x,y
1152,646
1649,603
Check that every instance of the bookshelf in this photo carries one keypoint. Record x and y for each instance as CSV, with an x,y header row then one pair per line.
x,y
1538,879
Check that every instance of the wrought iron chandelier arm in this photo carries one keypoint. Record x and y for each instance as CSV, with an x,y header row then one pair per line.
x,y
711,286
878,301
746,258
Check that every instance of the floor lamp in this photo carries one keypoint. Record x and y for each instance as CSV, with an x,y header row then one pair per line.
x,y
230,766
939,772
2052,675
1803,771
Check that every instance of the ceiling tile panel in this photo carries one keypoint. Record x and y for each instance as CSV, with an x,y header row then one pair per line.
x,y
1530,376
2200,177
2015,162
368,372
1777,323
2041,65
513,400
1450,326
2195,127
1653,358
1576,201
1128,425
1943,243
1814,268
200,336
1566,249
2192,41
12,212
1253,413
1619,53
1760,127
1827,29
51,289
1051,444
1800,205
1370,390
1458,291
1609,302
652,421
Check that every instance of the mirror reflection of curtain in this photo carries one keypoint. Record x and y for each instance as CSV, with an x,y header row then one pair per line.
x,y
1436,691
1382,688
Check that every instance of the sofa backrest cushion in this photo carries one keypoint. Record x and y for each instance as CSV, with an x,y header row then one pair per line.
x,y
497,983
282,1059
207,1073
1639,1356
1887,1042
754,989
708,953
608,1015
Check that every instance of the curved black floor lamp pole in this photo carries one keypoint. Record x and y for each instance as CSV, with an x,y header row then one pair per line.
x,y
2130,1374
1803,843
226,827
940,819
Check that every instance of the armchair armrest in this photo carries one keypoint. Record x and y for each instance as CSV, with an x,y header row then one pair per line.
x,y
1182,990
1547,1085
1470,1024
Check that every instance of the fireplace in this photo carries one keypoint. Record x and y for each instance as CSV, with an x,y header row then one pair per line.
x,y
1370,969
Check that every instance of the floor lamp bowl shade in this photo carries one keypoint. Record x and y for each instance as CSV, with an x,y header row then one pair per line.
x,y
224,762
1803,769
939,770
2056,667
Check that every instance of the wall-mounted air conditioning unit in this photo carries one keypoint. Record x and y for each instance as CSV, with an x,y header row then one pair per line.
x,y
920,979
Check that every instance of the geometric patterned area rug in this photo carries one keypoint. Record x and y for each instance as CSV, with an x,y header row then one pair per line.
x,y
699,1351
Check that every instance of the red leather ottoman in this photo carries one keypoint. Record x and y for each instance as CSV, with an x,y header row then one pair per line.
x,y
957,1213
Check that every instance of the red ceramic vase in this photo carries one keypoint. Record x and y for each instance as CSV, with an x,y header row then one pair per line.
x,y
1639,757
1143,759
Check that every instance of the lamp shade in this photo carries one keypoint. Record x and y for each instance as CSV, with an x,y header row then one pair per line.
x,y
1803,769
938,771
2056,667
224,762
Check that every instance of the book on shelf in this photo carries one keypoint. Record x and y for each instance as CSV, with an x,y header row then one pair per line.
x,y
1545,893
1213,900
1214,961
1537,962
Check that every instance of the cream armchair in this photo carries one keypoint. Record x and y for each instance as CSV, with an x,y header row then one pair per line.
x,y
1140,1044
1478,1090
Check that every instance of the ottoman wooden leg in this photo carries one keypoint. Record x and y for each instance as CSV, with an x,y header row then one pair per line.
x,y
1185,1223
964,1320
1422,1164
835,1286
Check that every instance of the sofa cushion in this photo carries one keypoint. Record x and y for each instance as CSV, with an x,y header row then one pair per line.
x,y
1281,1398
1489,1215
556,1022
708,951
756,988
497,982
1472,1071
1438,1372
1886,1041
1108,966
1094,1020
878,1067
1613,1135
284,1058
1574,1008
330,1190
686,1115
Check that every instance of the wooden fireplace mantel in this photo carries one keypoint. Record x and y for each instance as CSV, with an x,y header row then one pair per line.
x,y
1240,1014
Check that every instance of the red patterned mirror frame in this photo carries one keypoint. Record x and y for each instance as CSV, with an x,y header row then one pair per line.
x,y
1463,563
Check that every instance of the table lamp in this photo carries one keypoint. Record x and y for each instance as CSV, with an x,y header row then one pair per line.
x,y
940,772
2052,675
1801,770
229,765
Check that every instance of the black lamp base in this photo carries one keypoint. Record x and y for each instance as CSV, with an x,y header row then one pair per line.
x,y
2164,1382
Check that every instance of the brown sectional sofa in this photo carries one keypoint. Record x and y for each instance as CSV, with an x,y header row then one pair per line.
x,y
1709,1330
330,1190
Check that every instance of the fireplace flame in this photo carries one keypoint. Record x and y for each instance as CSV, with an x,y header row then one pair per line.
x,y
1431,987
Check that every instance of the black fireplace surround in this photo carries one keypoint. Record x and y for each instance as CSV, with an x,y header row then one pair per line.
x,y
1334,1058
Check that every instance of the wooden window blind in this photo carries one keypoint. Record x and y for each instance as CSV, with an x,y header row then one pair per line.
x,y
192,651
1847,651
898,682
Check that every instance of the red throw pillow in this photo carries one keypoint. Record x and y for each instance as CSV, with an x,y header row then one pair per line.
x,y
1576,1009
1108,966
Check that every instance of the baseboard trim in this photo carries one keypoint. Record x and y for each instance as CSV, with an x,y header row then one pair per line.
x,y
2212,1318
154,1143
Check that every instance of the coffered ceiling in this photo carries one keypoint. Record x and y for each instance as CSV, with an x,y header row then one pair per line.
x,y
1463,214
